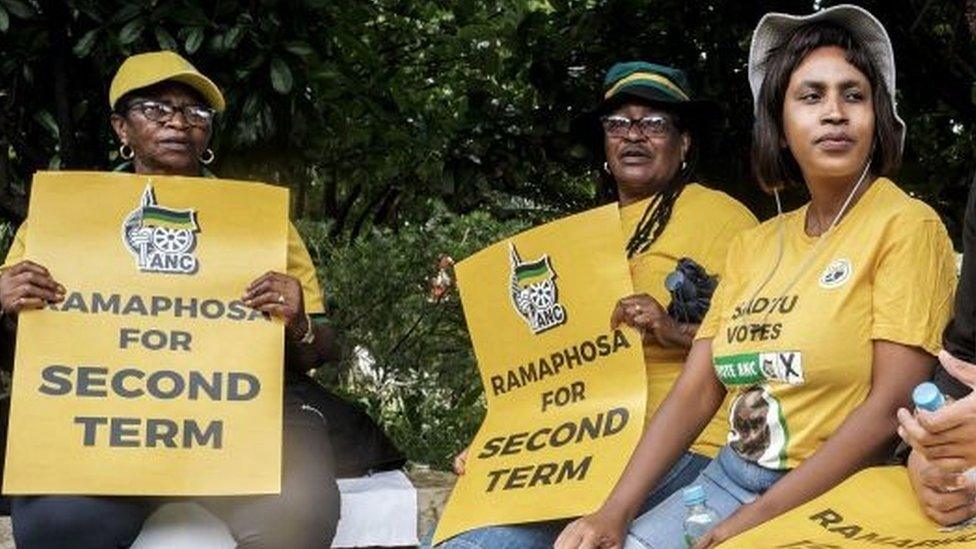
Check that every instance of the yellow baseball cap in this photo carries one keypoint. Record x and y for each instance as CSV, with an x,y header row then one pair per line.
x,y
146,69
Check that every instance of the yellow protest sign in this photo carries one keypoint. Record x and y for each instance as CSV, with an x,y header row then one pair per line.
x,y
151,377
874,508
565,394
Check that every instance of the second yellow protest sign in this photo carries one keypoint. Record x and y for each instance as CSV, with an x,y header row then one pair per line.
x,y
565,393
874,508
151,377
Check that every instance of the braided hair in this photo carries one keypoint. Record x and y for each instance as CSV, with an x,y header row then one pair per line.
x,y
656,215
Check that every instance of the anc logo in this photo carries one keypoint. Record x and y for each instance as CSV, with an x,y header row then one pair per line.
x,y
534,292
836,273
161,239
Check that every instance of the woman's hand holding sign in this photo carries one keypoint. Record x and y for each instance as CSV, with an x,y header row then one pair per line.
x,y
27,285
643,312
279,295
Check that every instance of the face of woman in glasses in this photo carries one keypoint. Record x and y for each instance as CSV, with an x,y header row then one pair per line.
x,y
165,140
643,157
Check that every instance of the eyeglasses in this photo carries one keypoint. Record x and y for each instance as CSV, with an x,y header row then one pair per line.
x,y
195,115
648,126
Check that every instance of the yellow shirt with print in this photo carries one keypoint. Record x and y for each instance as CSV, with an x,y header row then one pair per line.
x,y
701,225
299,266
796,352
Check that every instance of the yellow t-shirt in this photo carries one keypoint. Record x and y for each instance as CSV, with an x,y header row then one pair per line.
x,y
299,266
796,355
701,226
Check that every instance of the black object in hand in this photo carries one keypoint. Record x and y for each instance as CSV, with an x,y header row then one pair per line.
x,y
691,291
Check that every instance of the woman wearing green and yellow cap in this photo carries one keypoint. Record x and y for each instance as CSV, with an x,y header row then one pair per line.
x,y
162,112
826,317
642,133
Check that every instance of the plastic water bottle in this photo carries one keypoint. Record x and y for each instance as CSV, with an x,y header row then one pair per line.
x,y
700,518
928,397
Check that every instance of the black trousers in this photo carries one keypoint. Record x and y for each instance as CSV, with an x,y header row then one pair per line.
x,y
304,515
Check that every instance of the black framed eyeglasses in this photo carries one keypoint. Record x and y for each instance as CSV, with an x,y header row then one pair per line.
x,y
648,126
158,111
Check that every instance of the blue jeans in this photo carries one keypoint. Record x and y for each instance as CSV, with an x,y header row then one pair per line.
x,y
729,482
541,535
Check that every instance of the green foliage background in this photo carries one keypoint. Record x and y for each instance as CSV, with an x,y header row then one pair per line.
x,y
407,129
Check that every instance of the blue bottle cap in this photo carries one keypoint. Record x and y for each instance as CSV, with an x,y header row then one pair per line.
x,y
693,495
928,397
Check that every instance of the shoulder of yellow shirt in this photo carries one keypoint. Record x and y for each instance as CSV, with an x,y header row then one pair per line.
x,y
889,203
717,204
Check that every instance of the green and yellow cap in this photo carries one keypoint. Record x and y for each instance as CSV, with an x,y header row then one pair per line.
x,y
652,83
145,69
646,80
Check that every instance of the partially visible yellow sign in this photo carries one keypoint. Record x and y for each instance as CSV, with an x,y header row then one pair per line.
x,y
151,377
565,393
874,508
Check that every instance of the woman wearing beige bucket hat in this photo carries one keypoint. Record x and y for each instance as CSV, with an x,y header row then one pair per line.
x,y
826,317
162,112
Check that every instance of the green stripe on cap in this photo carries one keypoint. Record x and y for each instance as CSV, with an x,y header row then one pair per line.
x,y
649,78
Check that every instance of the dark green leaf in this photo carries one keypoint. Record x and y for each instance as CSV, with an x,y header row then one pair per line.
x,y
127,13
131,31
165,39
300,49
281,79
4,20
46,119
233,37
84,46
17,8
193,40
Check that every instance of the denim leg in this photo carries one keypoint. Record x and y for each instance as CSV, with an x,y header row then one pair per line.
x,y
541,535
684,471
729,482
77,522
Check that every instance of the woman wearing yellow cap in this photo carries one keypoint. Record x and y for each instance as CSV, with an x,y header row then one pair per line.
x,y
162,113
642,133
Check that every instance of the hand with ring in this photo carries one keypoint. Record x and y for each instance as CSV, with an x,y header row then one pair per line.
x,y
280,295
643,312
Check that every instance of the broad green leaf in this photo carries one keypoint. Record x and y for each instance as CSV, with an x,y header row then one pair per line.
x,y
17,8
281,79
4,20
165,39
84,46
194,40
131,31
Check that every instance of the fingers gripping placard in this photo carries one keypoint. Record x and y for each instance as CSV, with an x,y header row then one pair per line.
x,y
151,377
565,393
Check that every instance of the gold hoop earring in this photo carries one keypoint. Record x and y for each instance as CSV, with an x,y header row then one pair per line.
x,y
207,157
126,152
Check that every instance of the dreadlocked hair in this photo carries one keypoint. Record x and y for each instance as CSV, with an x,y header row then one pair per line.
x,y
658,212
656,216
